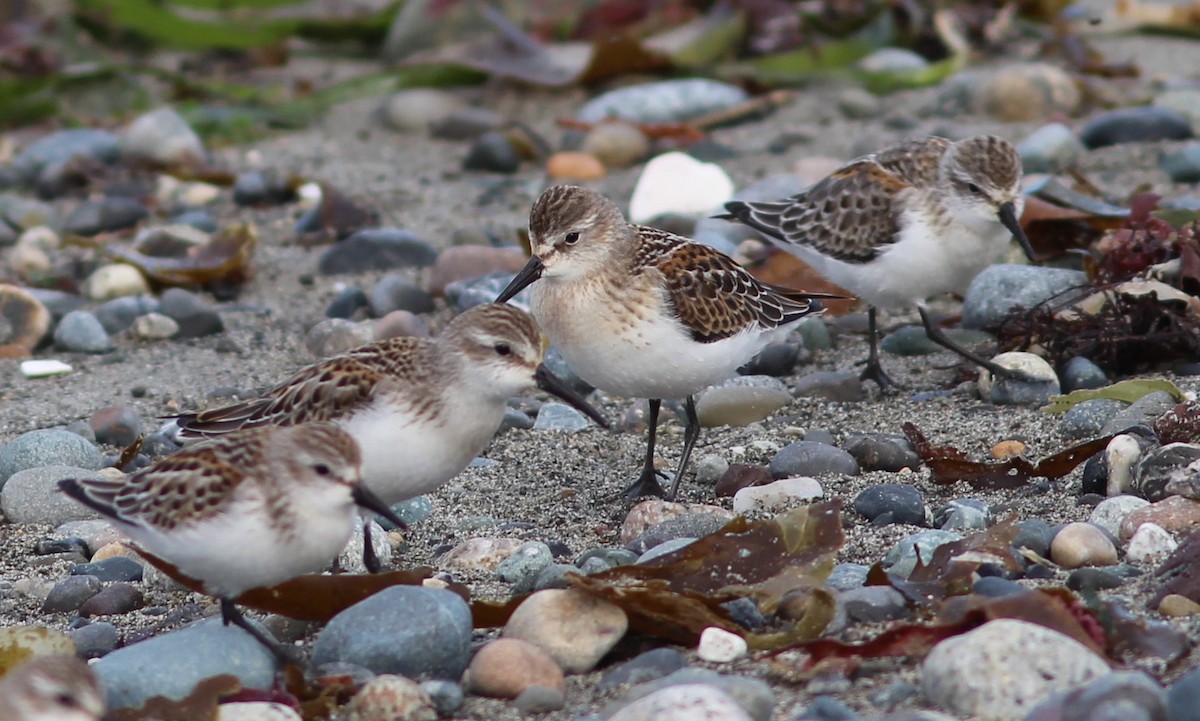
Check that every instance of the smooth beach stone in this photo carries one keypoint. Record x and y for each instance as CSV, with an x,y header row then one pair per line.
x,y
902,558
506,667
1082,544
32,496
574,628
808,458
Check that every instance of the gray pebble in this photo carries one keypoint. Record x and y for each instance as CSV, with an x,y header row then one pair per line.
x,y
1034,534
873,604
115,599
396,292
642,668
963,514
466,294
446,696
611,557
514,419
523,566
1166,471
555,576
492,152
901,559
560,417
162,136
665,548
172,663
466,124
710,468
81,332
1000,289
116,568
1181,697
687,525
333,336
412,511
667,101
103,215
1088,419
1134,125
539,699
1183,165
833,386
95,639
1116,696
346,304
403,629
1049,148
262,188
878,452
63,145
118,314
847,575
913,341
45,447
196,316
1079,372
32,496
70,593
1143,411
892,503
806,458
996,587
377,249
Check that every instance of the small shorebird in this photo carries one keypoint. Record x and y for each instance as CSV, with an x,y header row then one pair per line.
x,y
248,510
645,313
50,688
911,221
421,409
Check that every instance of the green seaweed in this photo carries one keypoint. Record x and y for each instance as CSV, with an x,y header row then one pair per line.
x,y
1127,391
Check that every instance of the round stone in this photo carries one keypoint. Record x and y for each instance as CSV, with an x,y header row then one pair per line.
x,y
1111,512
899,502
414,110
573,165
46,447
901,559
575,629
782,493
155,326
80,331
1150,544
720,646
617,145
1142,124
808,458
1027,91
467,262
115,280
1040,381
739,403
1082,544
506,667
162,136
391,698
1002,288
685,702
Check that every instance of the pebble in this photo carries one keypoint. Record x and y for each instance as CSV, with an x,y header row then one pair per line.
x,y
1181,697
479,554
113,568
162,136
781,493
560,417
256,711
196,316
119,314
572,165
1182,165
407,630
1181,424
687,702
466,124
1175,606
776,359
1116,696
1042,385
1149,544
523,566
61,147
1090,580
617,144
574,628
666,548
1141,412
645,667
901,559
377,249
1082,544
492,152
347,303
1173,469
1049,148
873,604
1109,513
95,639
400,324
106,214
70,593
1087,419
1079,372
720,646
198,219
506,667
1120,458
391,698
447,696
832,386
1026,91
741,401
263,188
155,326
913,341
652,512
888,503
677,183
857,103
807,458
31,495
114,599
667,101
1002,288
467,262
333,336
81,332
396,292
1001,669
115,280
27,261
1175,514
1143,124
539,699
116,425
350,559
415,110
878,452
686,525
740,475
846,576
710,468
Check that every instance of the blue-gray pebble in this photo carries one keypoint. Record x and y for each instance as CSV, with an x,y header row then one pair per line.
x,y
807,458
50,446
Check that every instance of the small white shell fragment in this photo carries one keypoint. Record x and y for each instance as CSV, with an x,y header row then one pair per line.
x,y
44,368
720,646
676,182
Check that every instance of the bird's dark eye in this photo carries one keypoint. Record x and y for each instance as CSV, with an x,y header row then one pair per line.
x,y
321,469
65,700
974,188
571,238
503,349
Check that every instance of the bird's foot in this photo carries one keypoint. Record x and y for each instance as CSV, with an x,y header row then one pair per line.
x,y
646,485
873,371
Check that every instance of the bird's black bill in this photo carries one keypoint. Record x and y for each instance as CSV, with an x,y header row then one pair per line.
x,y
531,272
554,385
1008,216
372,502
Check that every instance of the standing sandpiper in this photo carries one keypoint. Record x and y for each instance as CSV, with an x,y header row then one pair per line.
x,y
911,221
421,409
247,510
644,313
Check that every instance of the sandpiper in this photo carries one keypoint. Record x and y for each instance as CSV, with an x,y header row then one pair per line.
x,y
420,409
895,227
51,688
645,313
247,510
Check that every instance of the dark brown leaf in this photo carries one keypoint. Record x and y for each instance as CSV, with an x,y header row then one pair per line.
x,y
949,465
226,259
200,705
334,218
951,570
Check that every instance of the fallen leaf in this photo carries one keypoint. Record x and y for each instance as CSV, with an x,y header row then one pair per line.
x,y
678,595
1127,391
951,570
199,705
334,218
949,465
226,260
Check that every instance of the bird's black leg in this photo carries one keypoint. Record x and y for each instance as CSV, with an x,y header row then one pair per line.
x,y
647,483
690,434
230,614
874,370
937,335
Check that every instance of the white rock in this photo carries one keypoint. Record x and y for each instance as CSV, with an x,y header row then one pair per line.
x,y
28,260
782,492
1122,452
44,368
40,236
162,136
155,326
720,646
1004,668
678,183
1109,513
256,711
1150,543
685,702
115,280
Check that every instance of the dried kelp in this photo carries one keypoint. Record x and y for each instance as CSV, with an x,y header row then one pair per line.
x,y
199,705
224,262
951,570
